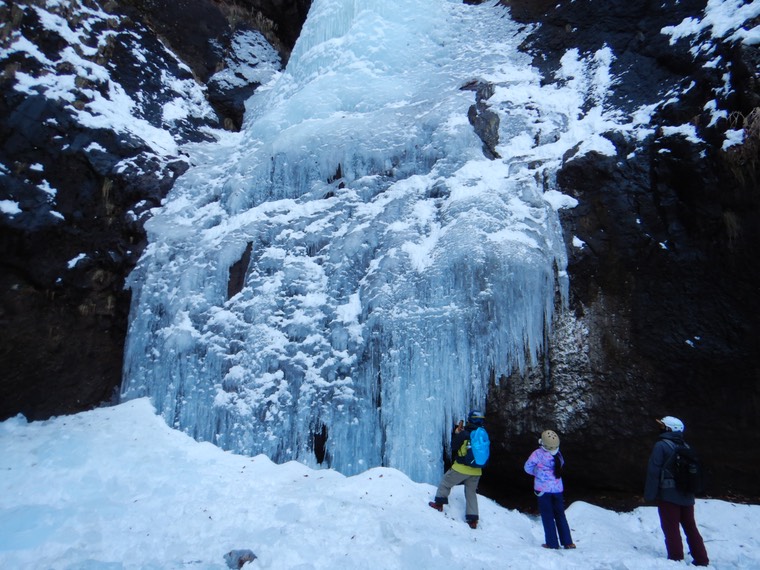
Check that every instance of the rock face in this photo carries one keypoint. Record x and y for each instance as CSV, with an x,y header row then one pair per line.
x,y
664,307
82,161
664,314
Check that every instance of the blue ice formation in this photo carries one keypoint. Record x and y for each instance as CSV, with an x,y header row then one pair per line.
x,y
391,270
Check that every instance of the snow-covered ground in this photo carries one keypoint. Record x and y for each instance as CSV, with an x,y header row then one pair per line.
x,y
117,488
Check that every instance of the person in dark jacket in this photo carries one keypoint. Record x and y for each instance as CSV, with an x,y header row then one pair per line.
x,y
674,507
460,473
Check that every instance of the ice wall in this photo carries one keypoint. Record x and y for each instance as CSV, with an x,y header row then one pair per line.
x,y
393,269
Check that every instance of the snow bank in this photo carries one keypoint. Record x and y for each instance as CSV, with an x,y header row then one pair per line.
x,y
116,488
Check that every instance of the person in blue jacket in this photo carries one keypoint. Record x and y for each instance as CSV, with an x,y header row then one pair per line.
x,y
674,507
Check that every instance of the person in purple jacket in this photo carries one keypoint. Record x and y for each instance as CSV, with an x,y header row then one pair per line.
x,y
545,464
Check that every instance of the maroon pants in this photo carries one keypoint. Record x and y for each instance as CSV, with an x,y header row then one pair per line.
x,y
671,517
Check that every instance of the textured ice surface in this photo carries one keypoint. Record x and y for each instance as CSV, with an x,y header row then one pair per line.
x,y
394,270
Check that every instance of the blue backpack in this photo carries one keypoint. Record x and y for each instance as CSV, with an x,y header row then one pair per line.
x,y
478,448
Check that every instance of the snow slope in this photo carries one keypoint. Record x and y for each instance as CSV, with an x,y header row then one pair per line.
x,y
116,488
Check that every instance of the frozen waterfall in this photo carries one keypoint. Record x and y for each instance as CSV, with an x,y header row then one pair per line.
x,y
389,269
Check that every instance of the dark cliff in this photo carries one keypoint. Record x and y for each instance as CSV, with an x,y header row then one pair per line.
x,y
665,287
64,306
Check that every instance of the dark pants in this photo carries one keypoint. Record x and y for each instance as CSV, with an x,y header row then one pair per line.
x,y
552,509
671,516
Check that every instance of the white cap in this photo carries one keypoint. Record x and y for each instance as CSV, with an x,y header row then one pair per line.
x,y
673,424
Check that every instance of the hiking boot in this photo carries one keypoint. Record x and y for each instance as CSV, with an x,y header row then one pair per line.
x,y
569,546
473,524
437,506
550,547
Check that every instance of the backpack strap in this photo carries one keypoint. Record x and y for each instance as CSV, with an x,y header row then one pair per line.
x,y
460,451
667,477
